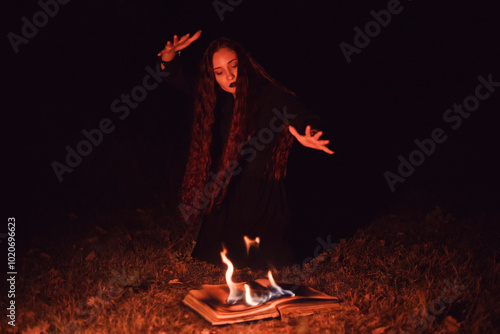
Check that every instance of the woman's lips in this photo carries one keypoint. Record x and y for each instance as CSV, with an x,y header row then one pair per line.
x,y
232,84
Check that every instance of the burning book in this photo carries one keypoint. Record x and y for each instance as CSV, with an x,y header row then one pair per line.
x,y
211,303
261,299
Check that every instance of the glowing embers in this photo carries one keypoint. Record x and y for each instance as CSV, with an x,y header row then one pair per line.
x,y
254,294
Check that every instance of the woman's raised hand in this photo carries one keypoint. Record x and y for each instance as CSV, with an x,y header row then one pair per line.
x,y
168,53
311,141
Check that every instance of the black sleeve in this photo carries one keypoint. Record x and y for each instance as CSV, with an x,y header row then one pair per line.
x,y
177,78
288,109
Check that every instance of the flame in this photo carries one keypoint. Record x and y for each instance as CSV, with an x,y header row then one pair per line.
x,y
256,300
233,291
276,287
249,242
248,297
275,291
257,297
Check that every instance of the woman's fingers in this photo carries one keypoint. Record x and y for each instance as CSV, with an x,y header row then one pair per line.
x,y
183,38
308,131
195,36
327,150
318,134
293,132
168,48
310,141
186,40
179,44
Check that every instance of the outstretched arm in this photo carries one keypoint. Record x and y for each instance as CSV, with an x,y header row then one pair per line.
x,y
311,141
168,53
168,64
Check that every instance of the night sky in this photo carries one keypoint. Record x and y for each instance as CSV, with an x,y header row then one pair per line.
x,y
393,89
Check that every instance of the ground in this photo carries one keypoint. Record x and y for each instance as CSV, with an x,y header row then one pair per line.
x,y
406,272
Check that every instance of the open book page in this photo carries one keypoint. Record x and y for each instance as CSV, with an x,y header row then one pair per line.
x,y
210,302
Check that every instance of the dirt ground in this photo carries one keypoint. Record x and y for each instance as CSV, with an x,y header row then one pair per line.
x,y
418,272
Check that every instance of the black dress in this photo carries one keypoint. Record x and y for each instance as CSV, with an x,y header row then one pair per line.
x,y
254,205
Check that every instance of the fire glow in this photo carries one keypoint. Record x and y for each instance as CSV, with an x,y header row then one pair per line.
x,y
249,296
251,243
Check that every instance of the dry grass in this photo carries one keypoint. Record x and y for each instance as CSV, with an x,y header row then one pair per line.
x,y
391,277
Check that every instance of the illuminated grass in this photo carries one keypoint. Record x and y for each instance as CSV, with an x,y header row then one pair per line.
x,y
131,280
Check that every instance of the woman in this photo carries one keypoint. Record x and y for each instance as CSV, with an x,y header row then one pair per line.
x,y
243,128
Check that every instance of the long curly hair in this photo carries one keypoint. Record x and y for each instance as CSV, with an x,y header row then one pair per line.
x,y
251,76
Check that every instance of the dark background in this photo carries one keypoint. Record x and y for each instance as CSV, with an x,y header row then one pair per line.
x,y
393,92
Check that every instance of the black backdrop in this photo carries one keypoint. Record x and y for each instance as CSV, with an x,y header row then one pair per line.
x,y
394,90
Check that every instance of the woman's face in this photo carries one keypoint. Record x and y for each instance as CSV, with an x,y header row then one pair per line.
x,y
225,63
